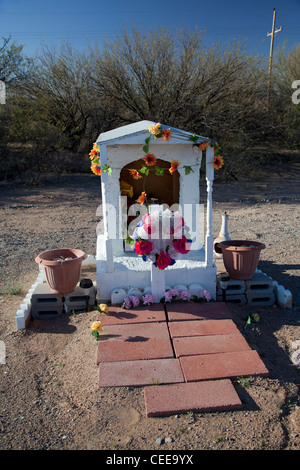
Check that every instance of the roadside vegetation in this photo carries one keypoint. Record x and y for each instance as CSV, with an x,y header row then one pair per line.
x,y
60,100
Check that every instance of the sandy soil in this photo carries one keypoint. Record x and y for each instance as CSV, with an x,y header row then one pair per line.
x,y
49,393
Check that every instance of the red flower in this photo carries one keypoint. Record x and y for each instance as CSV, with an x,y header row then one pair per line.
x,y
96,169
143,248
182,245
150,159
135,174
218,162
142,198
174,165
163,260
167,134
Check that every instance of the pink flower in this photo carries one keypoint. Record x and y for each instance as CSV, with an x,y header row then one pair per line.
x,y
174,292
127,303
185,295
163,260
168,296
148,299
135,300
206,295
182,245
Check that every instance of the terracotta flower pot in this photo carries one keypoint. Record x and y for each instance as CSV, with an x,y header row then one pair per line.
x,y
63,274
240,257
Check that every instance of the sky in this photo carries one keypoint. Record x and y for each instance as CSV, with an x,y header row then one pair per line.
x,y
33,23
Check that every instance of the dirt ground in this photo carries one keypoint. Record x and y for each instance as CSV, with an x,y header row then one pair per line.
x,y
49,395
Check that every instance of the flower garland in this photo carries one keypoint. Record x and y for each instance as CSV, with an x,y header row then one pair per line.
x,y
150,160
162,237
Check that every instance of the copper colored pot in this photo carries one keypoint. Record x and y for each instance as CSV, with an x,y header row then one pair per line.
x,y
240,257
62,275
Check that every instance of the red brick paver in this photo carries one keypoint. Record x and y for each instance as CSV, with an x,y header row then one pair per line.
x,y
196,311
214,395
202,327
224,365
193,345
141,372
133,342
120,316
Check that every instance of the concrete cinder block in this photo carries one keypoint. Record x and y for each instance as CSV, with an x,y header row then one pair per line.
x,y
38,311
261,300
233,298
259,283
42,295
234,286
80,298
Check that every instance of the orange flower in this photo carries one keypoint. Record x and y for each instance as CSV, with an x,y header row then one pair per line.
x,y
96,169
203,146
218,162
174,165
135,174
142,197
150,159
167,134
94,152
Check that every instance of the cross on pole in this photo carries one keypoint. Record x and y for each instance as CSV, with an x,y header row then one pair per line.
x,y
272,34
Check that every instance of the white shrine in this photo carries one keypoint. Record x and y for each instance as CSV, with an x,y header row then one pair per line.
x,y
118,268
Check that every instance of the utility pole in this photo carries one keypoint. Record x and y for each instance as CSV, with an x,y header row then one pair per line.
x,y
273,34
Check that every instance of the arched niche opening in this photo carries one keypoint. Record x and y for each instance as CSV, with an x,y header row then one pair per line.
x,y
159,189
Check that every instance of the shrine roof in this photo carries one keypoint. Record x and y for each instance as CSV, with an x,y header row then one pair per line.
x,y
140,128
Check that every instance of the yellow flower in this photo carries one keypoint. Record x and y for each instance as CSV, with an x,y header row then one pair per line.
x,y
104,308
97,326
155,130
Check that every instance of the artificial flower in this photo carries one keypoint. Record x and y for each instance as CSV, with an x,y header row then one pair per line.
x,y
142,198
217,162
127,303
203,146
148,299
174,292
104,308
206,295
167,134
163,260
135,300
143,247
174,165
96,169
182,245
155,130
168,296
97,326
150,159
185,295
135,174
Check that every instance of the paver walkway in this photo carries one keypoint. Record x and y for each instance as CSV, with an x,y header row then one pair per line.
x,y
183,354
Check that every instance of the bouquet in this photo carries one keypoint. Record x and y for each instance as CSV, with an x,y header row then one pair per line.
x,y
162,237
